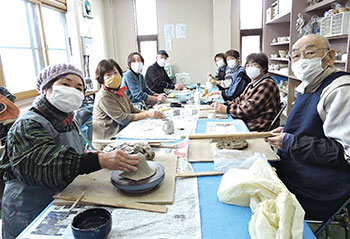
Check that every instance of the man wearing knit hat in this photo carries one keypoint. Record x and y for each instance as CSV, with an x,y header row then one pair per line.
x,y
44,152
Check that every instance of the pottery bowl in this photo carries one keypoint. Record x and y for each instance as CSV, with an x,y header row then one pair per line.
x,y
283,53
94,223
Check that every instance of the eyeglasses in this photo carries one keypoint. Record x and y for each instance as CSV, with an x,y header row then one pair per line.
x,y
307,53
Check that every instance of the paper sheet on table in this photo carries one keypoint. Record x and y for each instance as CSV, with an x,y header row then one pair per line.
x,y
276,211
221,127
153,129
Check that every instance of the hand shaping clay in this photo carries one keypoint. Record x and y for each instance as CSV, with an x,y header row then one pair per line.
x,y
233,144
143,170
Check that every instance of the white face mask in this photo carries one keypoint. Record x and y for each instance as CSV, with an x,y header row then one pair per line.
x,y
220,63
252,72
161,62
136,66
231,63
307,70
65,98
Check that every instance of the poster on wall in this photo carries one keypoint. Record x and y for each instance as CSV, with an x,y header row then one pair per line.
x,y
169,31
180,30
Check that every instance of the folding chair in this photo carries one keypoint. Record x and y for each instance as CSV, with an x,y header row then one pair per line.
x,y
340,217
283,105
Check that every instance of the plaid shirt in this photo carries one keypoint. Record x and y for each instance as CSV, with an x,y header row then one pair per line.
x,y
258,105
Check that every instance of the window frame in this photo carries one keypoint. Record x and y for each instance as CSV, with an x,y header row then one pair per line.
x,y
59,5
251,32
141,38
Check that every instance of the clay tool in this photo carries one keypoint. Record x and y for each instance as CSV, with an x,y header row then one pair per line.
x,y
225,137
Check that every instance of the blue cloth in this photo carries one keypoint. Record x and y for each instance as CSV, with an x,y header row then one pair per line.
x,y
319,188
240,80
137,88
220,220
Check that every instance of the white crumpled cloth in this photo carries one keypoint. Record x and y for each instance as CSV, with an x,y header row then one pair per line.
x,y
276,211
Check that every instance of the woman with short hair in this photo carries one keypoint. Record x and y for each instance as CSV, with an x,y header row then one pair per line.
x,y
259,103
112,108
137,89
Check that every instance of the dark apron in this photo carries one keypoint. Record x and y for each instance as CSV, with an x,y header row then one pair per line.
x,y
320,189
21,202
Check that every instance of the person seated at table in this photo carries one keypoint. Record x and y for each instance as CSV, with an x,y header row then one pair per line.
x,y
314,145
259,103
157,78
221,64
44,151
137,89
112,108
231,57
239,78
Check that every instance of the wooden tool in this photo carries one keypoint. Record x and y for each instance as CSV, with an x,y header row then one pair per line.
x,y
224,137
77,201
198,174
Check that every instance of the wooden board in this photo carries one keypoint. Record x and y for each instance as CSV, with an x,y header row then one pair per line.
x,y
99,189
202,150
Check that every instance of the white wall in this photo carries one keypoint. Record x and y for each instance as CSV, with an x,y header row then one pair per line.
x,y
211,26
122,30
79,26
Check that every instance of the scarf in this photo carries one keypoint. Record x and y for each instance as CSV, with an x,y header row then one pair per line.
x,y
117,92
62,122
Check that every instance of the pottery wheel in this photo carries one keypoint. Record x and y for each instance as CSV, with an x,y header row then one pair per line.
x,y
233,144
141,186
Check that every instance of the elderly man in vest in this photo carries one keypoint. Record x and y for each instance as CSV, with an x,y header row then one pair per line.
x,y
314,144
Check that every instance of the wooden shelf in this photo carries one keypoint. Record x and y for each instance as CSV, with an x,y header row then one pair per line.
x,y
337,37
340,62
321,5
278,73
279,59
279,19
280,43
282,74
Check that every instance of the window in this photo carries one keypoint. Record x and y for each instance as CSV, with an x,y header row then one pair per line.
x,y
251,27
147,30
56,35
22,41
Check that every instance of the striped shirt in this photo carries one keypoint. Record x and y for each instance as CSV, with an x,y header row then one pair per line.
x,y
258,105
32,156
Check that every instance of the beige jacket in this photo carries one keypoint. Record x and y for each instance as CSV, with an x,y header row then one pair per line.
x,y
110,115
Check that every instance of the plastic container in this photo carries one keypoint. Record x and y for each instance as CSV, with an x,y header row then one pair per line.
x,y
197,97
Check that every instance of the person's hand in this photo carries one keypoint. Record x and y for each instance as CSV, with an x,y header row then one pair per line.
x,y
155,114
118,160
161,97
211,78
219,108
217,92
179,87
277,137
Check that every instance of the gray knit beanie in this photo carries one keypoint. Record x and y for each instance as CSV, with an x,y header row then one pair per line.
x,y
52,73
